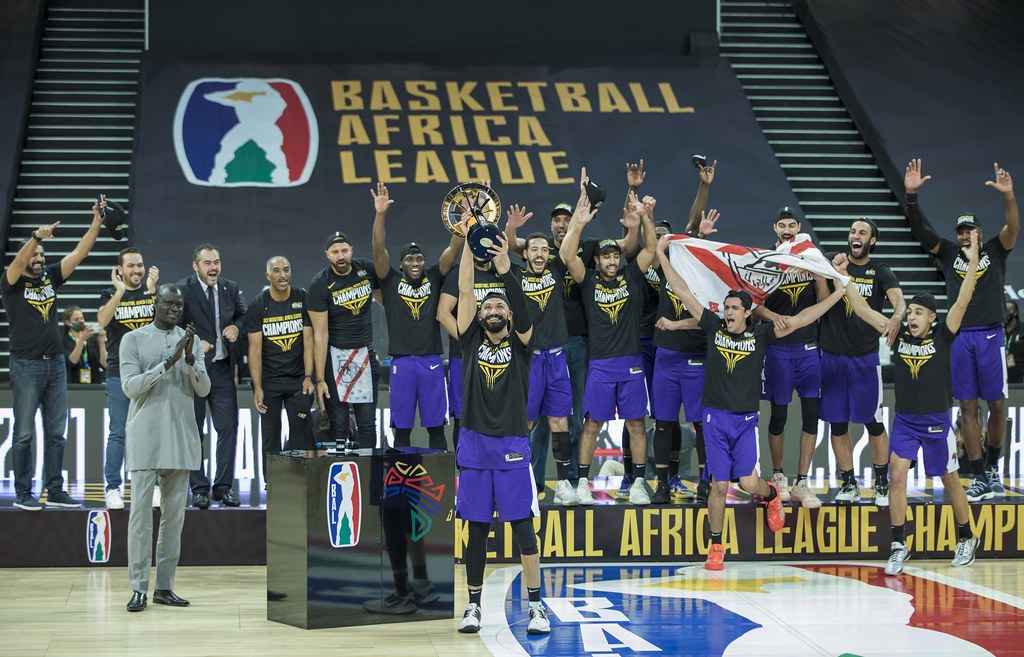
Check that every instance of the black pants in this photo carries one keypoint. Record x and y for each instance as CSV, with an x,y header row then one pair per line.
x,y
284,394
224,409
365,413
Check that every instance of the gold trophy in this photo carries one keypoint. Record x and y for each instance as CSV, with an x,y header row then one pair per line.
x,y
483,204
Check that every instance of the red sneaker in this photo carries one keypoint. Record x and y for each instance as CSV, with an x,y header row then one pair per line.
x,y
716,558
776,512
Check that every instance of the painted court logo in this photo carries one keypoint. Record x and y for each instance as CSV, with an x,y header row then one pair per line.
x,y
245,132
97,536
344,506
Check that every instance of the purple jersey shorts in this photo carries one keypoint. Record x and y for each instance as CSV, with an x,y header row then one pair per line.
x,y
678,380
616,384
418,380
730,440
550,390
932,434
789,367
978,363
495,475
851,388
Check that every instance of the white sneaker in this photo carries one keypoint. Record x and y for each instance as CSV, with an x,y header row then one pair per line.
x,y
113,499
639,493
803,494
782,483
565,494
963,555
896,559
539,623
156,497
881,495
471,619
583,494
848,494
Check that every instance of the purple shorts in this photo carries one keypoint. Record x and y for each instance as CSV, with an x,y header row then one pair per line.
x,y
615,384
978,363
648,352
455,386
550,391
730,440
418,380
789,367
495,474
851,388
932,434
678,381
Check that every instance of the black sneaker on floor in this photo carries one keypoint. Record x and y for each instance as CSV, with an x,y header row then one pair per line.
x,y
28,503
60,498
661,494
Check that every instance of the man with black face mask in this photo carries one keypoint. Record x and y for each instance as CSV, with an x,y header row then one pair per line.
x,y
1014,342
414,336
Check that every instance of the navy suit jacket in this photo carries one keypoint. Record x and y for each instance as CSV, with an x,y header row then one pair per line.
x,y
197,310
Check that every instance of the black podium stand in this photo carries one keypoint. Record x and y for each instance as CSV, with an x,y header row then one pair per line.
x,y
339,525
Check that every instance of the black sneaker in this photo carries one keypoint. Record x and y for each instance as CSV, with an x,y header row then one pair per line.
x,y
661,494
28,503
703,492
61,499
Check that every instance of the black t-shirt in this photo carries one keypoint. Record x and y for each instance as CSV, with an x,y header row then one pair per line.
x,y
484,282
281,323
575,316
732,378
924,383
347,300
613,311
986,307
796,293
546,310
134,311
652,295
32,313
88,360
844,333
412,313
687,341
1014,342
494,383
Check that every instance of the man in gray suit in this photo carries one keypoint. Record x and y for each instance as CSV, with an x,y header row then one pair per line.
x,y
162,368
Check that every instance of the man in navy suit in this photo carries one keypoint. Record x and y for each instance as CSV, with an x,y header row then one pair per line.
x,y
215,306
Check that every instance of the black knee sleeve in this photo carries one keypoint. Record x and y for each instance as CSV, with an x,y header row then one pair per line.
x,y
437,439
455,434
403,437
663,440
626,447
476,552
777,423
809,415
525,537
875,428
677,438
840,428
702,454
561,446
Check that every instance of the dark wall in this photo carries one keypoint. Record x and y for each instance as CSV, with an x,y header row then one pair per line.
x,y
20,25
413,27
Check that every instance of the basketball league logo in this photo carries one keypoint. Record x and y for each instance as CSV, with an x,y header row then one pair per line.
x,y
97,536
245,132
344,506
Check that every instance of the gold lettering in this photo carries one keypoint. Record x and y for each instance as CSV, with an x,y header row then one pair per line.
x,y
346,95
826,533
459,132
553,535
803,542
424,128
465,171
460,97
1004,523
573,97
946,539
671,532
730,537
383,97
650,530
505,168
629,545
531,133
570,536
385,166
610,99
533,91
551,166
983,525
423,89
497,93
592,551
669,97
382,128
429,168
641,99
351,131
348,169
483,131
867,528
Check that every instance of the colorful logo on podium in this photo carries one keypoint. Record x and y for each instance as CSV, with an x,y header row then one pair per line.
x,y
412,481
245,132
97,536
344,506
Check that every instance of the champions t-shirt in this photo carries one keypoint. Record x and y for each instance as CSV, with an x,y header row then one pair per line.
x,y
687,341
547,312
346,300
796,293
986,307
842,332
484,282
411,311
32,314
924,383
134,310
495,378
732,378
281,323
613,311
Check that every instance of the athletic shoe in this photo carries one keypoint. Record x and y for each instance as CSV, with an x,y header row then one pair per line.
x,y
782,483
776,512
897,558
28,503
848,494
394,604
661,494
471,619
881,494
678,489
995,483
803,494
113,499
624,486
539,623
979,490
583,494
157,500
716,558
639,494
703,491
423,593
963,555
565,494
61,499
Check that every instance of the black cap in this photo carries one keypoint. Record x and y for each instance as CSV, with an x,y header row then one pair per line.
x,y
968,220
409,249
561,208
115,220
744,297
926,300
335,238
664,223
604,245
785,213
495,295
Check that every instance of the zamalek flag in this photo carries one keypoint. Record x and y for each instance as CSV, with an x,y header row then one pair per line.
x,y
712,269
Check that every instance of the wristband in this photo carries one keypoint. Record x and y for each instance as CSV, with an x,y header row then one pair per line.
x,y
36,237
912,197
319,381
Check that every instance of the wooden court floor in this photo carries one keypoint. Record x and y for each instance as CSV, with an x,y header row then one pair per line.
x,y
673,609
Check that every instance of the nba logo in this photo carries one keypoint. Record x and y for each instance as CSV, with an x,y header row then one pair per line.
x,y
97,536
245,132
344,511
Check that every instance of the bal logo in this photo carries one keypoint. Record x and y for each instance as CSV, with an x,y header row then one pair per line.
x,y
245,132
344,504
97,536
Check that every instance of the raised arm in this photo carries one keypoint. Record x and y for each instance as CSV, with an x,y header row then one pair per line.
x,y
69,262
521,322
571,242
1004,183
467,300
517,216
923,233
811,314
381,204
447,260
707,175
24,255
676,282
956,312
649,254
899,311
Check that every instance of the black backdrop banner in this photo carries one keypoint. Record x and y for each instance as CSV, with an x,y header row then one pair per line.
x,y
263,158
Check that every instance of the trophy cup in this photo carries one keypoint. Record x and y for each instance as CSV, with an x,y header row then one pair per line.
x,y
483,204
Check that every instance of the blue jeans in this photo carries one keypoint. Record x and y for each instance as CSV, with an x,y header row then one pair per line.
x,y
577,358
117,404
39,383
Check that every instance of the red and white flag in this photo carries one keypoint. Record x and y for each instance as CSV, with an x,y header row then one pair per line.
x,y
713,269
